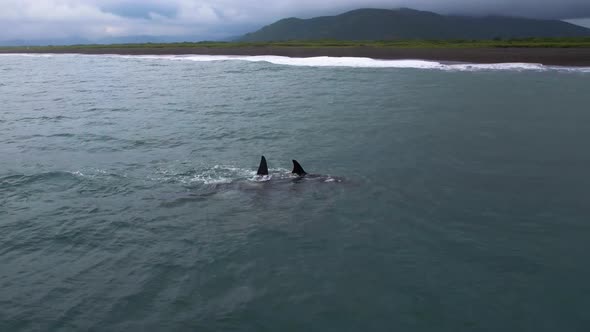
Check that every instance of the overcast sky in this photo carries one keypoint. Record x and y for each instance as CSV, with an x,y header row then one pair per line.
x,y
38,19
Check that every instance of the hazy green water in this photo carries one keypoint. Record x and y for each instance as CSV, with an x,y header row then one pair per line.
x,y
126,203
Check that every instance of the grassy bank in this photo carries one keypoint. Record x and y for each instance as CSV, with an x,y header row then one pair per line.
x,y
497,43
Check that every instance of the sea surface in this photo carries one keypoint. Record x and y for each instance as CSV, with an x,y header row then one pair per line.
x,y
453,197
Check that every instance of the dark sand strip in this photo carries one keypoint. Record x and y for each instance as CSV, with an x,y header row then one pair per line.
x,y
546,56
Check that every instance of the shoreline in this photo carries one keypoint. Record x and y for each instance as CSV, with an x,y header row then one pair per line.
x,y
575,57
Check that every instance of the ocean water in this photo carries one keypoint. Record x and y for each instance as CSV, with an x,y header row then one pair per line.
x,y
454,197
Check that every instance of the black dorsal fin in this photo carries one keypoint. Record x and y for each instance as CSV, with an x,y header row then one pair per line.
x,y
297,169
262,169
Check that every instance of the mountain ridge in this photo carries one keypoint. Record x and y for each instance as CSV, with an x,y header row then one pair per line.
x,y
405,23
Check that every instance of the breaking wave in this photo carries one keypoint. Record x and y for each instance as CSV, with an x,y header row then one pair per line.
x,y
350,62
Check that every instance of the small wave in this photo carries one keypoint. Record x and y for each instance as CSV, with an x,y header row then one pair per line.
x,y
62,135
182,200
100,123
162,143
18,180
45,118
99,138
96,109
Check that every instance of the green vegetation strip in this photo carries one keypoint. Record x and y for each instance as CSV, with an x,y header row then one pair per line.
x,y
582,42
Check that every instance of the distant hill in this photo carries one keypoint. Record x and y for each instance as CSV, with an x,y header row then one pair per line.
x,y
385,24
106,40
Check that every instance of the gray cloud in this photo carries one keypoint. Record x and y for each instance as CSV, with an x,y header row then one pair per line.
x,y
36,19
145,11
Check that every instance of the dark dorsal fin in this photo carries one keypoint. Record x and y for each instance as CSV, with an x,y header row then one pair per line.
x,y
297,169
262,169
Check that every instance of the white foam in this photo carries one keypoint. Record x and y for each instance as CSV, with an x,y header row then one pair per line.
x,y
321,61
359,62
31,55
78,173
261,178
350,62
207,180
94,173
218,174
